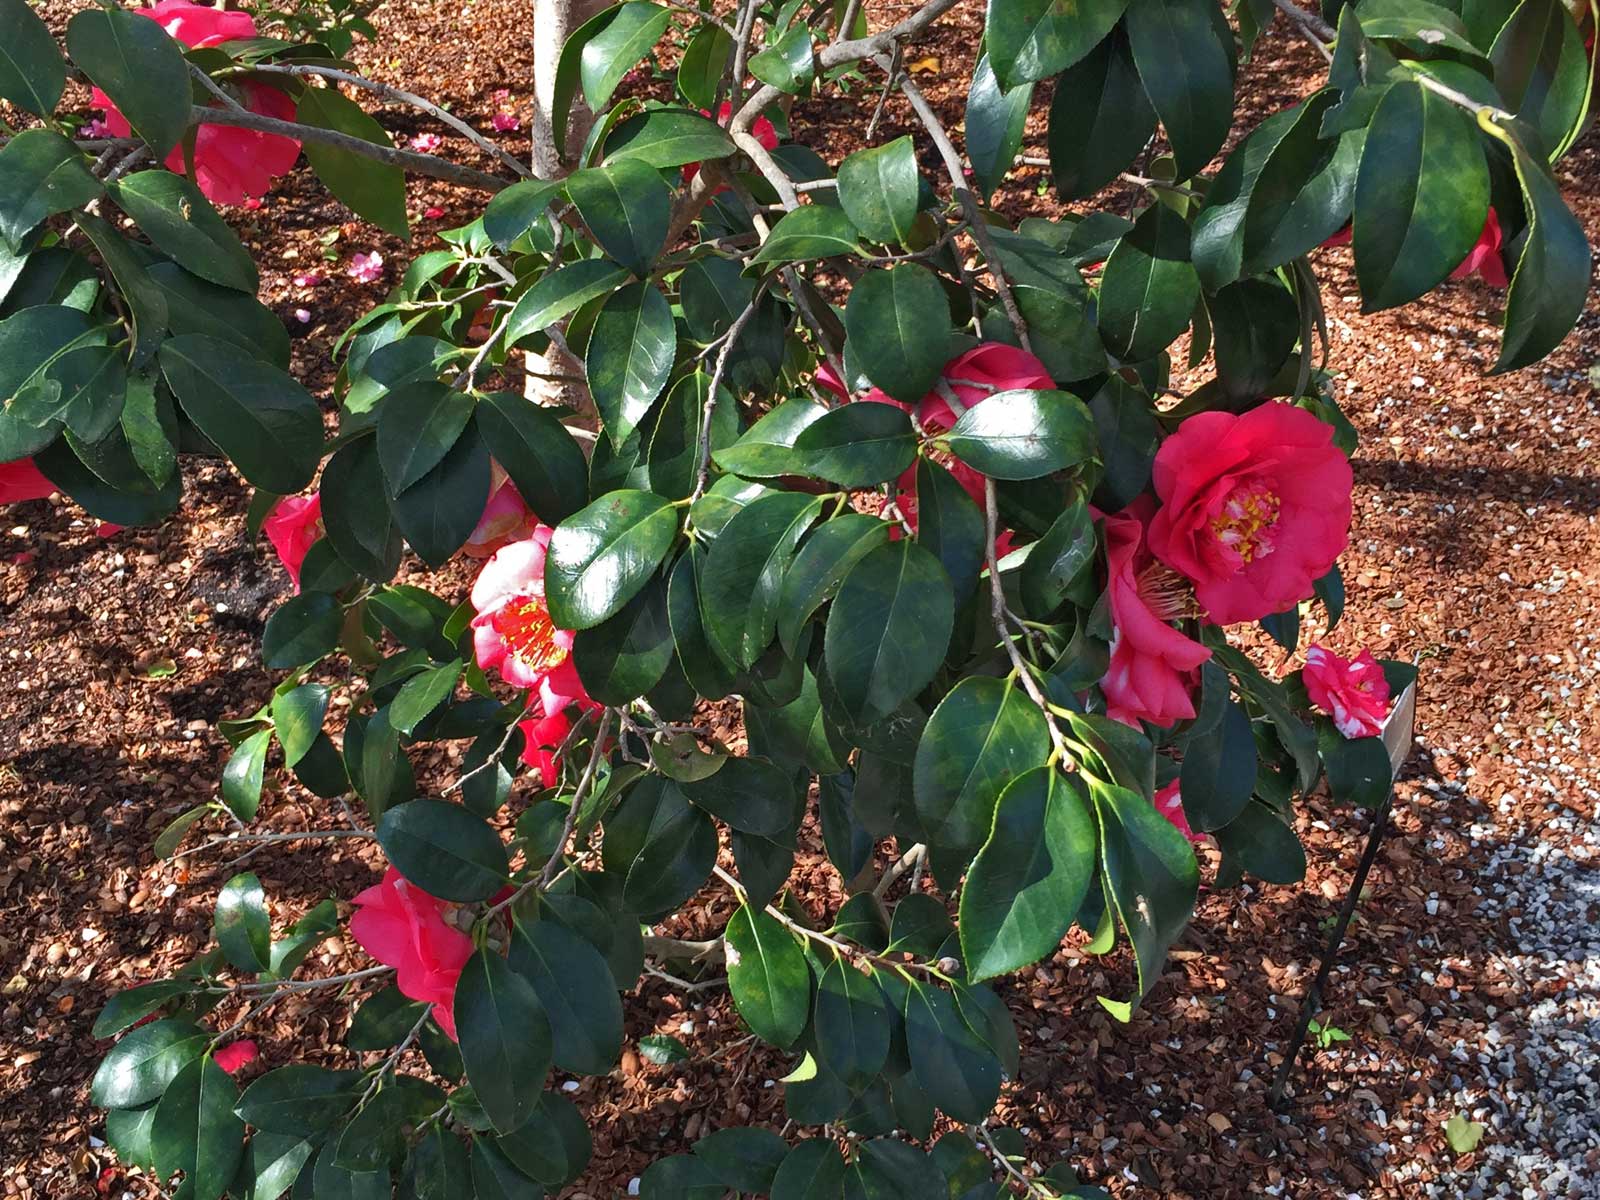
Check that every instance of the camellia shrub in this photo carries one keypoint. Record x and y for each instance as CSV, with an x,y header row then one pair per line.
x,y
908,487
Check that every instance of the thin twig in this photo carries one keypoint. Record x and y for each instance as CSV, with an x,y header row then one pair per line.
x,y
397,94
999,612
422,164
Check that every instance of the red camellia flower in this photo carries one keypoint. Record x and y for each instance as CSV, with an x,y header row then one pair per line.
x,y
229,164
1484,260
1151,674
1353,691
404,927
542,737
293,526
512,631
21,480
506,519
760,127
1169,803
1254,508
235,1055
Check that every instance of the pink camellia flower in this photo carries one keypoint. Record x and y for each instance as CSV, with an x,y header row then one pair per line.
x,y
1151,673
504,122
1484,259
1169,803
765,133
542,737
512,631
1254,508
1353,691
404,927
506,519
366,268
235,1055
426,143
229,164
293,526
21,480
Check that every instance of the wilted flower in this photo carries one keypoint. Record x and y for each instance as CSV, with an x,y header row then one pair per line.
x,y
1353,691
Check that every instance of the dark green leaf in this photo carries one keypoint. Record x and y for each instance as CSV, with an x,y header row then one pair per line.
x,y
626,206
745,569
134,61
1028,881
265,422
1257,841
536,451
1024,433
32,75
176,216
242,926
680,1177
242,777
625,656
743,1158
668,137
1030,40
600,557
438,512
1149,286
820,567
857,445
888,629
748,794
1421,196
515,210
417,425
951,1063
577,992
140,1066
813,1170
444,849
851,1024
1551,279
809,232
196,1131
132,1005
704,60
560,293
984,734
421,695
899,321
505,1038
304,1100
1184,52
671,848
302,630
1150,874
630,356
355,513
297,718
878,190
995,121
788,64
617,48
767,975
1100,119
1219,771
372,190
767,447
41,174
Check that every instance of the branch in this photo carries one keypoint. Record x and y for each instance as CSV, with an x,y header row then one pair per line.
x,y
969,205
422,164
703,436
393,93
1000,613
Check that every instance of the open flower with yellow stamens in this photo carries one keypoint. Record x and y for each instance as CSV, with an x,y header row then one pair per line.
x,y
1254,508
512,632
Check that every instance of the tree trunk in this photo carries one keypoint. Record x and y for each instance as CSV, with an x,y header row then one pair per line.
x,y
553,21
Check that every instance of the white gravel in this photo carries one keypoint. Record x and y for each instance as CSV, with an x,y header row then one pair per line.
x,y
1542,1141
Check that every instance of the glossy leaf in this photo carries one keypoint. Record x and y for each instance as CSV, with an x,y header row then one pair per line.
x,y
748,794
852,1023
820,566
1219,771
41,174
617,49
417,425
950,1062
1100,118
445,850
1029,40
505,1038
902,315
995,120
438,512
1421,196
135,62
1184,52
878,190
626,207
143,1062
577,992
888,629
630,356
1024,433
1149,287
176,216
372,190
600,557
195,1130
1028,881
744,571
32,75
767,976
857,445
809,232
241,924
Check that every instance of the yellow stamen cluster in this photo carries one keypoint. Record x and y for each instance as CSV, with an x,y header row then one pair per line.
x,y
1246,523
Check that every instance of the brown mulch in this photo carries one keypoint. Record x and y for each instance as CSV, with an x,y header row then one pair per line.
x,y
1474,546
